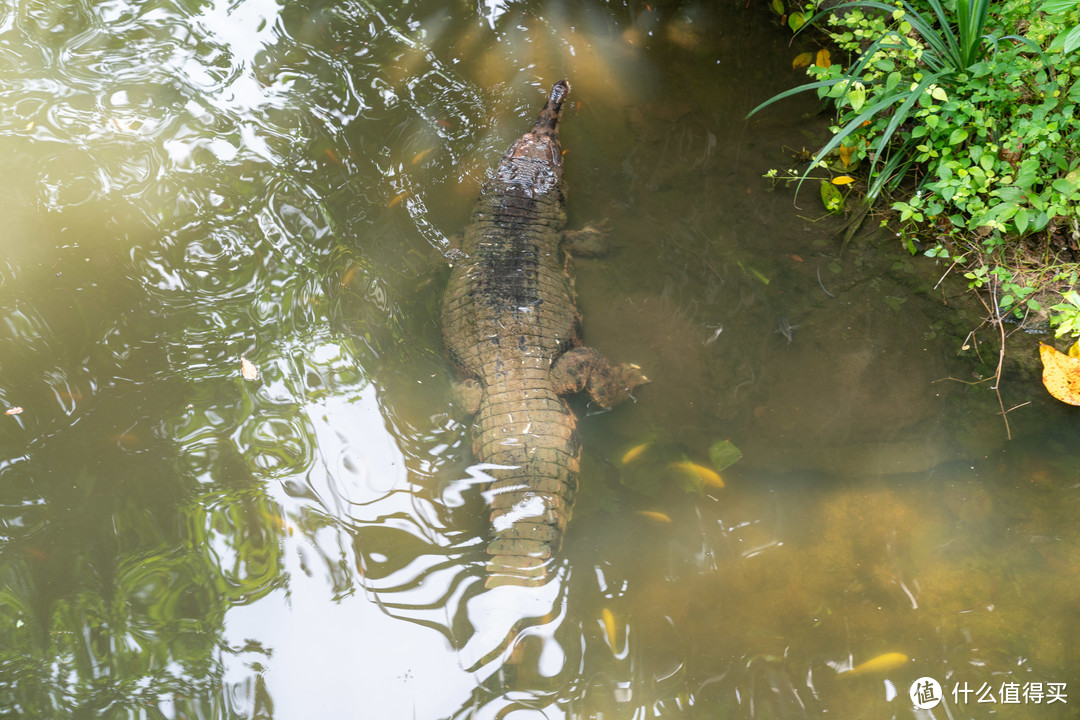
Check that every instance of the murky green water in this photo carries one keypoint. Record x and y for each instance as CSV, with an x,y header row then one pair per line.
x,y
191,183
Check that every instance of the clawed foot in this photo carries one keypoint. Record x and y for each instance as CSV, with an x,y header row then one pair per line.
x,y
466,396
590,241
629,377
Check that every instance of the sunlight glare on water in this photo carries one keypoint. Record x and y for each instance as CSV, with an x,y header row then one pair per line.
x,y
198,190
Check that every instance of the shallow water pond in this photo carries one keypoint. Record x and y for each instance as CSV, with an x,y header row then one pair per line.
x,y
199,192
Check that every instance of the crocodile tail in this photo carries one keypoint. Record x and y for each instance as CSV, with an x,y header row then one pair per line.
x,y
534,455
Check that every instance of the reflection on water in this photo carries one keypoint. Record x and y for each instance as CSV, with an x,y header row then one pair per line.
x,y
192,183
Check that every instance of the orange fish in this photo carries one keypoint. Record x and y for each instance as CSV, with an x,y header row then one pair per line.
x,y
654,515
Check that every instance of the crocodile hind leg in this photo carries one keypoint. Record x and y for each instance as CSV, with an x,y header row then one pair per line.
x,y
466,396
584,368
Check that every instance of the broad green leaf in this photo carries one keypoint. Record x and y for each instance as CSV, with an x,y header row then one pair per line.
x,y
795,21
1067,41
1058,6
1022,221
831,197
939,93
723,454
958,135
778,7
857,96
1027,173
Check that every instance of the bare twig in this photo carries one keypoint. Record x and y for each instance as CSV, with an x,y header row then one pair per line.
x,y
995,319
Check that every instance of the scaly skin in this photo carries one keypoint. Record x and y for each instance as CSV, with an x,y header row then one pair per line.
x,y
512,328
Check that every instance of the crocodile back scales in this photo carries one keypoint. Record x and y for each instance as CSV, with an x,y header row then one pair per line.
x,y
508,312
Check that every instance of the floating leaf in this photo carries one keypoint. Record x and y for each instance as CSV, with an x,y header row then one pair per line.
x,y
823,59
724,454
831,197
1061,374
795,21
842,180
248,369
802,60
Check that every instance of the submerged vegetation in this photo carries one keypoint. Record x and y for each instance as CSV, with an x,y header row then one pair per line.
x,y
963,113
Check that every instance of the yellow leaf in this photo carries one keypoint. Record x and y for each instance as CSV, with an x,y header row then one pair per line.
x,y
823,59
843,180
802,60
1061,374
882,663
248,369
845,154
1074,349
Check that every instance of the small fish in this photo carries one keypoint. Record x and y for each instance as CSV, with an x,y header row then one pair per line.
x,y
609,626
634,453
347,278
654,515
419,157
126,441
882,663
13,410
706,475
398,198
785,327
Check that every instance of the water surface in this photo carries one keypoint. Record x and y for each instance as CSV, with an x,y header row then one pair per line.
x,y
192,183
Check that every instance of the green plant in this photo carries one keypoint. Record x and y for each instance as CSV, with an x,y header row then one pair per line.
x,y
874,86
988,128
1067,40
1067,314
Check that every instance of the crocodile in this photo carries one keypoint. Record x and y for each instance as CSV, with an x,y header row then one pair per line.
x,y
512,329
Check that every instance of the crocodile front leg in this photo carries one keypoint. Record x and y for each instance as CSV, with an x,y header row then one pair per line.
x,y
584,368
590,241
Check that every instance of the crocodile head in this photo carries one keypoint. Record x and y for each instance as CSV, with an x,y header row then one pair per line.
x,y
534,162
